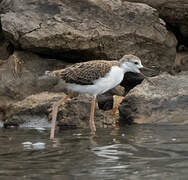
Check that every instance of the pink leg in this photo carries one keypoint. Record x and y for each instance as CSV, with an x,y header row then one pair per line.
x,y
91,120
117,100
54,114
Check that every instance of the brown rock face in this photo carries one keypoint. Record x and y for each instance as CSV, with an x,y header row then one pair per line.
x,y
165,102
20,76
174,12
83,30
35,111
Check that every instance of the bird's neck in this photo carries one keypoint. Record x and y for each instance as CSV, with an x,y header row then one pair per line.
x,y
124,68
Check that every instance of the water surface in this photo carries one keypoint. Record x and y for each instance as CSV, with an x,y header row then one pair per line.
x,y
134,152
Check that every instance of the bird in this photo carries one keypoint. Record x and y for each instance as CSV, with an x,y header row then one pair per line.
x,y
92,77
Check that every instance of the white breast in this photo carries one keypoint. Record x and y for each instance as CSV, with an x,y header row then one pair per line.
x,y
112,79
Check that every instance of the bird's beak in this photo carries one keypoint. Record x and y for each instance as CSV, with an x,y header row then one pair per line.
x,y
147,69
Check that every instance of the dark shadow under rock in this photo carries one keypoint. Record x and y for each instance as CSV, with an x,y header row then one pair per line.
x,y
4,50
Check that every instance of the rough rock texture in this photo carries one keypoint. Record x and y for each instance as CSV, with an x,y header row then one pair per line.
x,y
83,30
175,13
89,29
35,111
181,60
5,6
165,102
20,76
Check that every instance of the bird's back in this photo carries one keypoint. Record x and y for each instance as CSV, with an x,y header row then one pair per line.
x,y
84,73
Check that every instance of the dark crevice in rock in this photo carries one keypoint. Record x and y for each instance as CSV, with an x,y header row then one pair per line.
x,y
105,102
1,32
181,39
10,48
71,56
32,30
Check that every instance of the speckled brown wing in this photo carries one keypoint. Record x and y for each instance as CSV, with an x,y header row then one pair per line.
x,y
85,73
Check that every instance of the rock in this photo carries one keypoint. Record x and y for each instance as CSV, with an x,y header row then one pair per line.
x,y
165,102
4,50
105,101
27,111
77,111
175,13
181,60
35,111
78,31
5,5
21,75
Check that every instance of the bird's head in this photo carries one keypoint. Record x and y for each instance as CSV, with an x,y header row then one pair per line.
x,y
131,63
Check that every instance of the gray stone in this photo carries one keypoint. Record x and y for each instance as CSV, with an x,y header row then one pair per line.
x,y
84,30
165,102
174,12
73,113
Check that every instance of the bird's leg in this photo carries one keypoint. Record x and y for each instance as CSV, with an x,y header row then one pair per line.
x,y
54,114
116,102
91,120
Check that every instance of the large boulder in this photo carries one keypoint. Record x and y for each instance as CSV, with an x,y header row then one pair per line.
x,y
167,101
84,30
174,12
35,111
20,76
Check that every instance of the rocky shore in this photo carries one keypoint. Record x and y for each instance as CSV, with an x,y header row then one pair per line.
x,y
40,35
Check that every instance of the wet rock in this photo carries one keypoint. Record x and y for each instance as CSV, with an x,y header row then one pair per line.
x,y
35,111
27,111
79,31
165,102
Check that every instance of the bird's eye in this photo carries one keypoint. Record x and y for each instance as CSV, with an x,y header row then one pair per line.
x,y
136,63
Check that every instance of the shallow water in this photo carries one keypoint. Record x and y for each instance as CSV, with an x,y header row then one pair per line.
x,y
134,152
